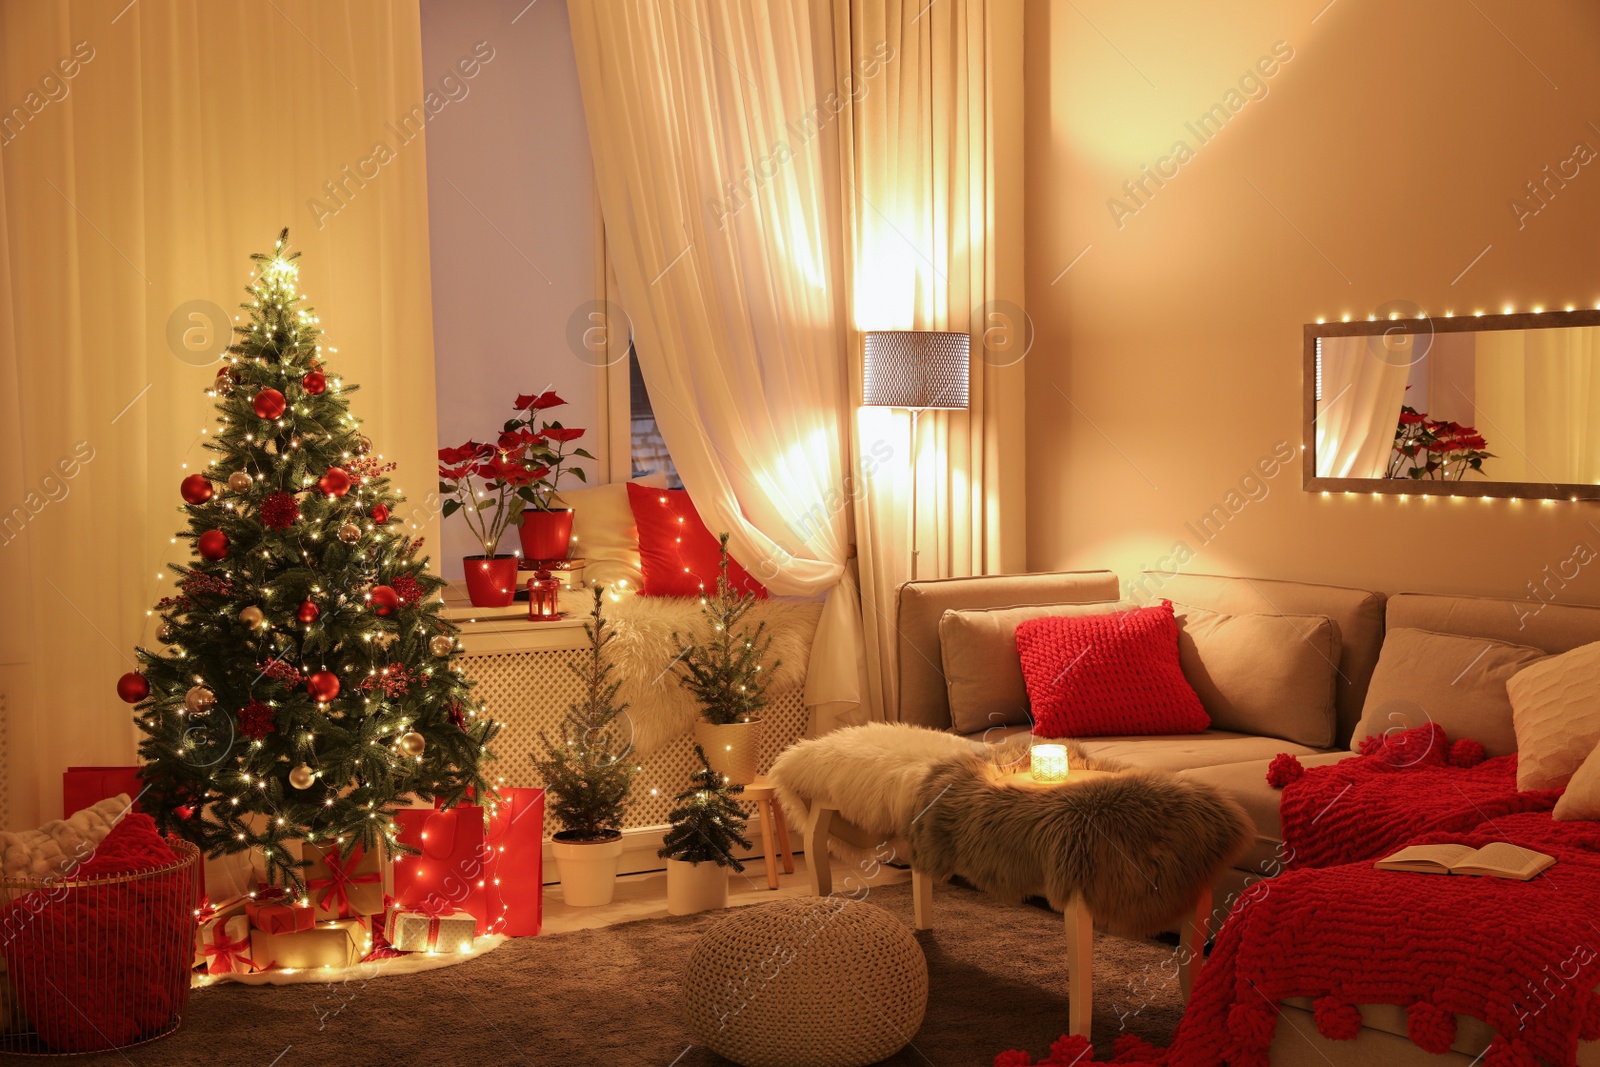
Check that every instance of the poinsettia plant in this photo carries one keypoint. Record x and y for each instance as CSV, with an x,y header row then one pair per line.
x,y
484,482
544,443
1435,449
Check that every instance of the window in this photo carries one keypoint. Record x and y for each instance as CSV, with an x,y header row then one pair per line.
x,y
649,450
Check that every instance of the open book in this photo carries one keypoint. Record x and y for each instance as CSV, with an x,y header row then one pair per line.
x,y
1498,860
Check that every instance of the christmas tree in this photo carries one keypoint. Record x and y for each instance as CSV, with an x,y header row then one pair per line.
x,y
707,823
588,773
724,671
307,681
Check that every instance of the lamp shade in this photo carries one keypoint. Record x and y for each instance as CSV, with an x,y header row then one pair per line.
x,y
916,369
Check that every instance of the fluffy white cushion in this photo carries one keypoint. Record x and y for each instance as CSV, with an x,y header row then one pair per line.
x,y
605,534
61,844
1555,707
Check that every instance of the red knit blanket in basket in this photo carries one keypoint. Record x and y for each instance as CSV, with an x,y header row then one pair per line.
x,y
1524,957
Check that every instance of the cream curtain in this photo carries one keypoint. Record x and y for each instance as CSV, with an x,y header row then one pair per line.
x,y
932,167
1362,393
187,133
713,145
1537,402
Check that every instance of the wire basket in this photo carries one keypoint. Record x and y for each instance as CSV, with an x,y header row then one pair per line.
x,y
98,963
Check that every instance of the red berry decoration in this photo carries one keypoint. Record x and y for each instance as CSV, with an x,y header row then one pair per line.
x,y
384,599
133,687
335,483
314,382
324,686
269,403
213,545
197,489
308,612
279,511
380,514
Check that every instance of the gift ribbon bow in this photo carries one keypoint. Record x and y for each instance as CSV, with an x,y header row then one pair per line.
x,y
226,954
205,911
336,887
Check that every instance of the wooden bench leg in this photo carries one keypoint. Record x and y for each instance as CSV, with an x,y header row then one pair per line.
x,y
815,840
783,838
1192,943
922,899
769,835
1080,968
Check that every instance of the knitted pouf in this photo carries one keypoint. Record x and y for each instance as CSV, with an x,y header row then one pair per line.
x,y
807,982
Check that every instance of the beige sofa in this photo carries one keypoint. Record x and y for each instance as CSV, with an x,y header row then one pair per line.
x,y
1237,762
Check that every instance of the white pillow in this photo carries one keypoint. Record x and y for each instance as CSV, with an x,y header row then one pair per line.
x,y
1555,707
604,533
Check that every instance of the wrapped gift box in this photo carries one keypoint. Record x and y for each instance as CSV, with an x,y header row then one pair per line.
x,y
341,888
420,931
278,915
340,943
227,946
208,916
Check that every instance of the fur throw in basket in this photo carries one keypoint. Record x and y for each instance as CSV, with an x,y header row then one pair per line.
x,y
1136,846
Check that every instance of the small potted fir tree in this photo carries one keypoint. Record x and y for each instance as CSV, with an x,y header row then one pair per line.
x,y
725,673
587,774
706,825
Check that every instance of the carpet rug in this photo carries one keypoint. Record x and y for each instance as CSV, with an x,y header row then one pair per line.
x,y
610,996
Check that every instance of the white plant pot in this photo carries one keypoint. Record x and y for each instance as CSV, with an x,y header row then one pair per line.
x,y
588,870
733,750
695,887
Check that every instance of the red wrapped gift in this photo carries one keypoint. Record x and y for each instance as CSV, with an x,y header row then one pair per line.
x,y
516,846
274,913
225,943
453,870
82,787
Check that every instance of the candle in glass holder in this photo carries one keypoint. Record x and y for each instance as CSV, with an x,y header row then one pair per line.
x,y
1048,763
544,597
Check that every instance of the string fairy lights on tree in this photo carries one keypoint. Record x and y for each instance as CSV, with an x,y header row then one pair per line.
x,y
308,679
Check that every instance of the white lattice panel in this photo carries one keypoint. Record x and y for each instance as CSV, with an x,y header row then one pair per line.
x,y
530,690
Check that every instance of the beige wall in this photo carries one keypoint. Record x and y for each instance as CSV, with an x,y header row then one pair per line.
x,y
1380,161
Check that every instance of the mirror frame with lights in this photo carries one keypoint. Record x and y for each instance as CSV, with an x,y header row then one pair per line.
x,y
1425,487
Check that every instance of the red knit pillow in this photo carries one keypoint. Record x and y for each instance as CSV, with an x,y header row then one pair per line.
x,y
676,552
1098,675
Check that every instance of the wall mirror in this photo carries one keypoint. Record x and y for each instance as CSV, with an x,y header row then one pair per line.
x,y
1482,405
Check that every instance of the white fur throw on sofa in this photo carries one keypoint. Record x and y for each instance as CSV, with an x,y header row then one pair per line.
x,y
645,656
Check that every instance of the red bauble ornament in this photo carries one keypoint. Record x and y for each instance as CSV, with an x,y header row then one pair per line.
x,y
380,514
384,599
324,685
335,483
133,687
314,382
213,545
196,489
269,403
308,612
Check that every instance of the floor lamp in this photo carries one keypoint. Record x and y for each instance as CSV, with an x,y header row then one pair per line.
x,y
916,370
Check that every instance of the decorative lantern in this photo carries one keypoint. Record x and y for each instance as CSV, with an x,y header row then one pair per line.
x,y
1048,763
544,595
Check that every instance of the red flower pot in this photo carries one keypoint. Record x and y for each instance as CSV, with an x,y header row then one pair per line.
x,y
546,534
491,580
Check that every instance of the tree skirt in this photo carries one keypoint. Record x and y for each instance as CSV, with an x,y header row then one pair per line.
x,y
371,967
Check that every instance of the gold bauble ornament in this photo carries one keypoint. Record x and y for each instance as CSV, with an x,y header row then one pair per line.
x,y
302,777
440,645
164,633
252,617
349,533
240,482
199,699
412,743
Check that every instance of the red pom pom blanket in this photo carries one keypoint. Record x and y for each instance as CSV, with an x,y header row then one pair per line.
x,y
1521,956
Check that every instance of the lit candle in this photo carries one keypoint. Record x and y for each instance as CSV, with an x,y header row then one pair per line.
x,y
1048,763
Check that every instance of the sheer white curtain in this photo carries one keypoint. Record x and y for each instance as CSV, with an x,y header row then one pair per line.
x,y
1362,393
186,135
714,147
1537,401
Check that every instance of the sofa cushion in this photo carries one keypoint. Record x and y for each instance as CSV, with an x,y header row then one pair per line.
x,y
1555,708
1271,675
1582,798
982,670
1246,784
678,554
1179,752
1457,682
1108,674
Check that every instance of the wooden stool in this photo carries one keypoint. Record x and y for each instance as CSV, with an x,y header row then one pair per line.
x,y
774,829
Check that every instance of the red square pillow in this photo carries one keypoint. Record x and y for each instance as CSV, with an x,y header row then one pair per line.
x,y
677,553
1102,675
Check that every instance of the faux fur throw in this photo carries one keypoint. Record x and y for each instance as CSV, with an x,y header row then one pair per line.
x,y
61,844
645,656
1136,846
